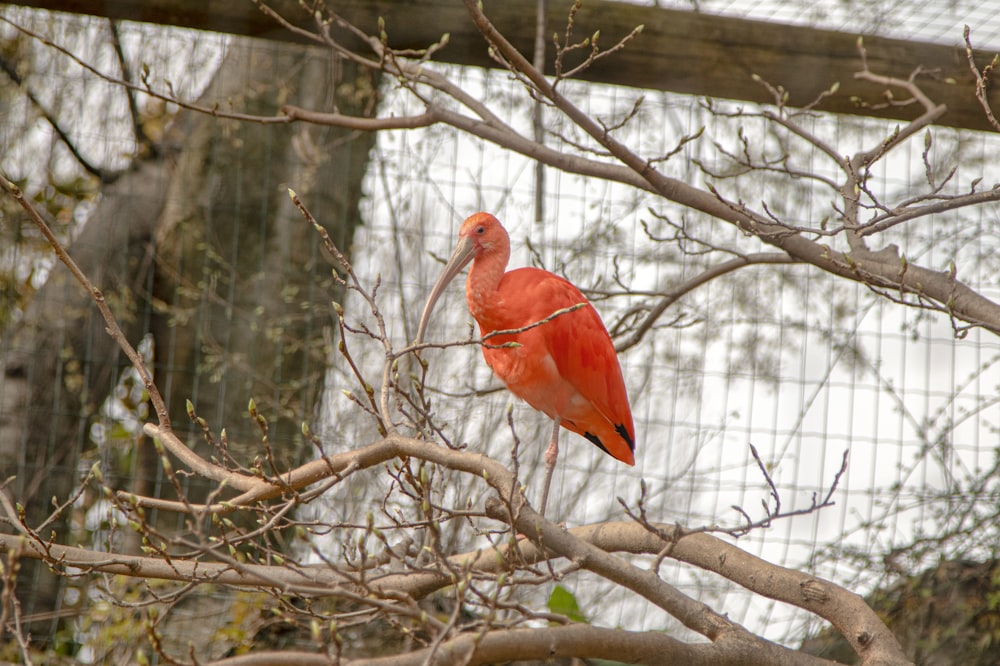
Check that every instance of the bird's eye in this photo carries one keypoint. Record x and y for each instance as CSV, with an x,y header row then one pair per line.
x,y
480,230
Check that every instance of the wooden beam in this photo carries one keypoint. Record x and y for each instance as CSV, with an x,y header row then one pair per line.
x,y
678,51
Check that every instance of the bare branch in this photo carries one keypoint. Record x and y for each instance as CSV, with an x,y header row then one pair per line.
x,y
295,113
906,212
147,89
398,554
575,640
982,78
675,293
963,303
11,71
522,329
114,330
847,611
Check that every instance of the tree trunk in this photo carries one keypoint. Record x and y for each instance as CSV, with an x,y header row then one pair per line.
x,y
202,249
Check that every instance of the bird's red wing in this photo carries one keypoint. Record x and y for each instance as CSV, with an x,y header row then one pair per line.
x,y
584,356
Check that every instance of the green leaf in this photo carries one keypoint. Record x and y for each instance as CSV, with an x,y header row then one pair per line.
x,y
563,602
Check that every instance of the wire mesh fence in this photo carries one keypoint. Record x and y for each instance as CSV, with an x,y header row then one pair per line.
x,y
801,365
806,367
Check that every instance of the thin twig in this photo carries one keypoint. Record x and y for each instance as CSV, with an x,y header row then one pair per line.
x,y
113,329
675,293
982,78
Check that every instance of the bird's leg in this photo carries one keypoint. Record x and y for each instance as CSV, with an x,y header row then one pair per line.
x,y
551,454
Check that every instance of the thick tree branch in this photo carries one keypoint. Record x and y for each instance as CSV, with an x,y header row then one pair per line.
x,y
845,610
575,640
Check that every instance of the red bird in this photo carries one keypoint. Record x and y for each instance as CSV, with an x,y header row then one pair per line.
x,y
565,367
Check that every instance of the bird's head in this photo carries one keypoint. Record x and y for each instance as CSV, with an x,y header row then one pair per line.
x,y
481,234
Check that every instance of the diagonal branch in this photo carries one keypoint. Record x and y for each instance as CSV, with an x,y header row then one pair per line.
x,y
949,295
11,71
114,330
675,293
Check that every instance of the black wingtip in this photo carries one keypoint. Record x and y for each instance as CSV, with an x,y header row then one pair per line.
x,y
623,431
596,441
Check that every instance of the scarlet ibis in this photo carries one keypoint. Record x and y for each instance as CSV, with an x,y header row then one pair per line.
x,y
565,367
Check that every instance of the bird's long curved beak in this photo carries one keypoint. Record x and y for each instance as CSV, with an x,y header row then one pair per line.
x,y
463,254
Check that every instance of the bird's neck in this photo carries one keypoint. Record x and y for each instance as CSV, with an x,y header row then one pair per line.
x,y
483,283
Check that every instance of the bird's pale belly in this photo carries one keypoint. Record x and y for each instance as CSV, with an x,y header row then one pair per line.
x,y
535,379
